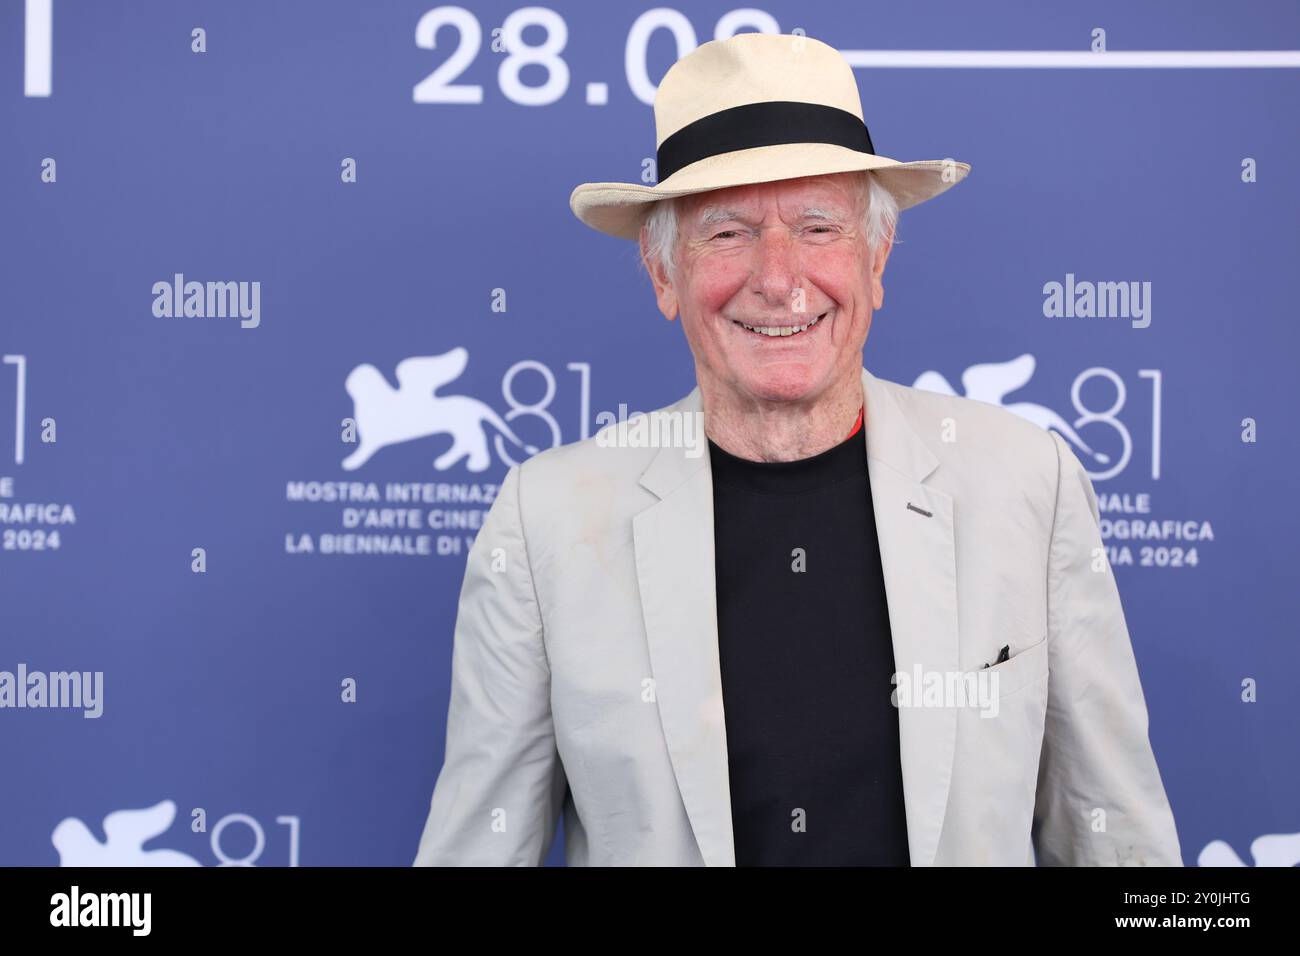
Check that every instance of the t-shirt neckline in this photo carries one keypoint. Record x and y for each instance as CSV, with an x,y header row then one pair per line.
x,y
846,460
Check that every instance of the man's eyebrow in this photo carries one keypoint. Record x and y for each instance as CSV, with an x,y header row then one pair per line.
x,y
831,214
711,215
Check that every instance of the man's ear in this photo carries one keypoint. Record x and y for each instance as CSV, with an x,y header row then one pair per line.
x,y
665,294
880,256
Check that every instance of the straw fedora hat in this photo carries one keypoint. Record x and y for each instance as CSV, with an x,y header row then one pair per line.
x,y
753,109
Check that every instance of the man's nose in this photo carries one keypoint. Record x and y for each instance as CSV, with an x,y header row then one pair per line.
x,y
775,268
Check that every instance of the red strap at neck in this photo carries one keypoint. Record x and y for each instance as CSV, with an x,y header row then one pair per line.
x,y
856,425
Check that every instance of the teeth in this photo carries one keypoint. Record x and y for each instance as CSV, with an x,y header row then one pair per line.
x,y
777,331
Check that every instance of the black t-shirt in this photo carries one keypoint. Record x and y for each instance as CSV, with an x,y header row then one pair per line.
x,y
806,656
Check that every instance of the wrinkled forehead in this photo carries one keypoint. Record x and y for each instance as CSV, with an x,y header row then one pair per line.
x,y
832,197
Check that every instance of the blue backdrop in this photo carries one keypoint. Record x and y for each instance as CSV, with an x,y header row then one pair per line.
x,y
175,511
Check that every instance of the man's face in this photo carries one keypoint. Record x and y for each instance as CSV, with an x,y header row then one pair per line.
x,y
776,257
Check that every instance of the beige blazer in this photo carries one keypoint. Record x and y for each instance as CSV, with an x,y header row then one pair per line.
x,y
585,676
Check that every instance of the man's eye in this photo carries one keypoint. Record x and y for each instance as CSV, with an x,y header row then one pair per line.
x,y
822,229
726,234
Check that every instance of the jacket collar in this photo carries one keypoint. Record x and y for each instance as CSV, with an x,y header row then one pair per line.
x,y
891,441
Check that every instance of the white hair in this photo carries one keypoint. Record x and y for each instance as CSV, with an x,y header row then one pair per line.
x,y
879,220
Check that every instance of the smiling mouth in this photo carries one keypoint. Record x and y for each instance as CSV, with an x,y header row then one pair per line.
x,y
780,331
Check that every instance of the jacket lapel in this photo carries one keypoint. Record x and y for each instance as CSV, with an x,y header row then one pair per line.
x,y
674,560
918,558
675,571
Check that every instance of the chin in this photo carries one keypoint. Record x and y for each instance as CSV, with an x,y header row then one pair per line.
x,y
783,385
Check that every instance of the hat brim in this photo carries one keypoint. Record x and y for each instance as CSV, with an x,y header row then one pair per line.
x,y
619,209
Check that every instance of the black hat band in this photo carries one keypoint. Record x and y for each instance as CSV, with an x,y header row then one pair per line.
x,y
772,123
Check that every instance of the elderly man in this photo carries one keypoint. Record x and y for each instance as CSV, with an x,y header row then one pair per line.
x,y
868,625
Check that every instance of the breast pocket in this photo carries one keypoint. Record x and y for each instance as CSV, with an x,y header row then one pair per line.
x,y
1025,667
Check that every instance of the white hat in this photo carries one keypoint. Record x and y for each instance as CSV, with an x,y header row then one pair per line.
x,y
753,109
